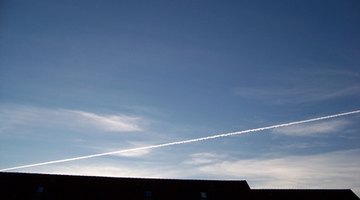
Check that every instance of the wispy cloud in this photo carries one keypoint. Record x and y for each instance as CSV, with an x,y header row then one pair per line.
x,y
113,123
13,117
299,94
316,128
139,153
204,158
110,170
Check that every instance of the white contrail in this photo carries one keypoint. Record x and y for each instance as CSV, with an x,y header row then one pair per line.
x,y
183,141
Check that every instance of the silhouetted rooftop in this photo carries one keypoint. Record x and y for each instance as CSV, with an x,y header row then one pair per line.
x,y
47,186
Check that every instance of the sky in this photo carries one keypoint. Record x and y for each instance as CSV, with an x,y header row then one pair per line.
x,y
86,77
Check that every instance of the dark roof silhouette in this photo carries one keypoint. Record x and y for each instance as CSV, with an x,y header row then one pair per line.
x,y
47,186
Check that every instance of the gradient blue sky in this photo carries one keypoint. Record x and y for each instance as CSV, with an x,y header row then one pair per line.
x,y
85,77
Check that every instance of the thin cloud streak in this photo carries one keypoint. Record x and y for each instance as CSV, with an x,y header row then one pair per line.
x,y
111,123
112,170
314,129
23,116
281,95
185,141
204,158
139,153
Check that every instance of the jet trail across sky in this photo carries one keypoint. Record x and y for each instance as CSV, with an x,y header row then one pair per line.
x,y
183,141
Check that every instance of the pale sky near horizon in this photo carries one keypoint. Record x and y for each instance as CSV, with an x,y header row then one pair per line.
x,y
87,77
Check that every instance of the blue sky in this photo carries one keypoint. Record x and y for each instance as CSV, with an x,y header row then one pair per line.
x,y
86,77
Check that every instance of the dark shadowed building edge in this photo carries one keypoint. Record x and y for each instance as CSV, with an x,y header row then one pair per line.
x,y
49,186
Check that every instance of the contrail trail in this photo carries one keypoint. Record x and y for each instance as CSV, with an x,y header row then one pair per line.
x,y
183,141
